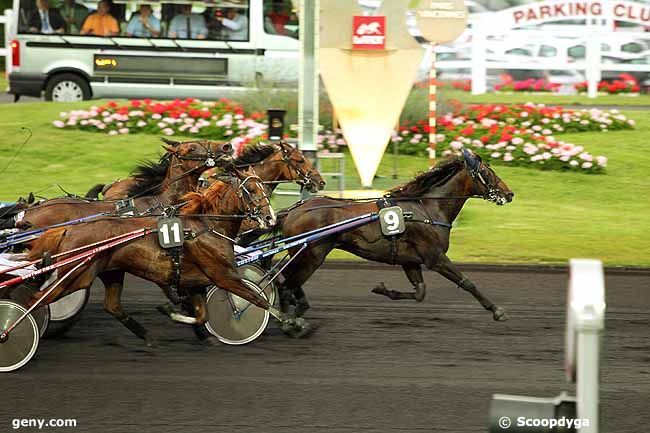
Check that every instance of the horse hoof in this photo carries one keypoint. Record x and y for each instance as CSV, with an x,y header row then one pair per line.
x,y
379,289
298,328
150,342
500,315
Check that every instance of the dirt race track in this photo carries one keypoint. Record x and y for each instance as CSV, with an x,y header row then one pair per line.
x,y
374,365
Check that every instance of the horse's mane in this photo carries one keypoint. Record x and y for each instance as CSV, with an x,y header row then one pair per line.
x,y
206,202
422,184
149,177
255,153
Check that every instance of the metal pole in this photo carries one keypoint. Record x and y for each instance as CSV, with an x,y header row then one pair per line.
x,y
308,104
433,89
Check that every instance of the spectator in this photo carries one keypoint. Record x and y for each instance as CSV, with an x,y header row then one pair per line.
x,y
101,23
279,17
74,15
235,25
187,25
143,24
46,20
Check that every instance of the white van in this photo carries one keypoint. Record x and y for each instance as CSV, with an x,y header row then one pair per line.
x,y
178,53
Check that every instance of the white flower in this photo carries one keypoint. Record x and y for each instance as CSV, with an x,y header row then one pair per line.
x,y
456,145
602,161
112,132
587,165
495,154
508,157
573,163
58,124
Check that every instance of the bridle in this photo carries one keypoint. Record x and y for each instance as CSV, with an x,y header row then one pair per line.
x,y
253,205
491,192
305,177
209,158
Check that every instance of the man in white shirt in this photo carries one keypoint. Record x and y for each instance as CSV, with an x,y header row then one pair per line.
x,y
235,25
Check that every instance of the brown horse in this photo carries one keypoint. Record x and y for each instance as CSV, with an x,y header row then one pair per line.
x,y
434,198
208,256
182,166
163,177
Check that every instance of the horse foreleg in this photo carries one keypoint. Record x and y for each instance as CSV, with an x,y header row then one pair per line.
x,y
114,283
447,269
414,274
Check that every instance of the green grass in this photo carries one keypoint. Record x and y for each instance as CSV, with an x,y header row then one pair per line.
x,y
555,216
549,99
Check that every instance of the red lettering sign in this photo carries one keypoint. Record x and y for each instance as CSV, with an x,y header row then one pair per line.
x,y
369,33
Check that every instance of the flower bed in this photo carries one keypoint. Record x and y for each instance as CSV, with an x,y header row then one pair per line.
x,y
530,85
220,120
521,135
626,84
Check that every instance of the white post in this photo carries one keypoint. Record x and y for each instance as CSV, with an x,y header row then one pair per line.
x,y
308,96
586,320
593,58
8,36
479,58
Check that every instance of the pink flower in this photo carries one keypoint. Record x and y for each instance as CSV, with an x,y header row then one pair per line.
x,y
168,131
508,157
123,130
58,124
602,161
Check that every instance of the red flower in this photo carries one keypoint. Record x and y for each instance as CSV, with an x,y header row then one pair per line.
x,y
112,104
135,103
468,131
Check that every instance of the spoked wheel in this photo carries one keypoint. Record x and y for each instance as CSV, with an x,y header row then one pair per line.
x,y
21,344
41,315
257,275
66,312
233,320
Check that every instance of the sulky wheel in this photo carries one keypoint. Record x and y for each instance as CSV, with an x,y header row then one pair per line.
x,y
66,312
256,274
233,320
21,343
21,294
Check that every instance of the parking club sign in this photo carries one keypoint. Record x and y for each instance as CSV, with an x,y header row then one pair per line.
x,y
369,33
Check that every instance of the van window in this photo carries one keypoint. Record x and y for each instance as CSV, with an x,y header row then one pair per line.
x,y
280,18
230,22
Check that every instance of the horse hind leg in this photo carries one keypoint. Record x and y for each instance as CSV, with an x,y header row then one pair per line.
x,y
448,270
114,283
414,274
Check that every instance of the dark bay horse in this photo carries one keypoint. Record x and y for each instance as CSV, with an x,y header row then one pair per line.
x,y
208,256
435,199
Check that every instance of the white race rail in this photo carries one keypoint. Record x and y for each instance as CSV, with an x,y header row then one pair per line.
x,y
585,324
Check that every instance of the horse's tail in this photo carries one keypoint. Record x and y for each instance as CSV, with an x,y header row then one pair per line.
x,y
95,191
49,242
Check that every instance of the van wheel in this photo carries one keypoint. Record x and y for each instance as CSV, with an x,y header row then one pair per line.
x,y
67,88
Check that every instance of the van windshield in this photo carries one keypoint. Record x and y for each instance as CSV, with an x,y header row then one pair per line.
x,y
218,20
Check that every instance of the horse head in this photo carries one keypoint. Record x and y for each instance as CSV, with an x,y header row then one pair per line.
x,y
486,183
194,155
300,169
